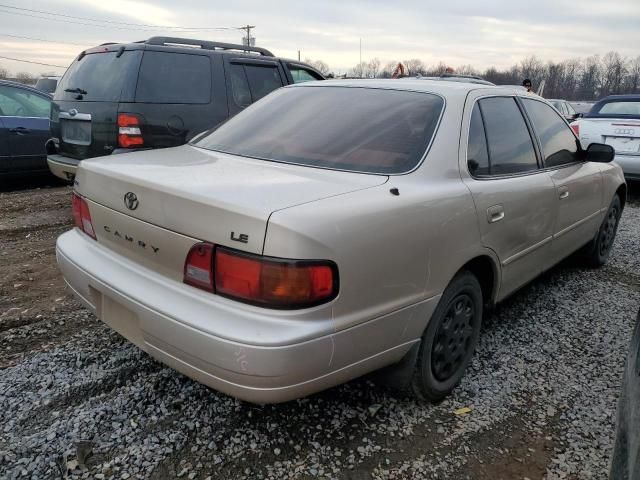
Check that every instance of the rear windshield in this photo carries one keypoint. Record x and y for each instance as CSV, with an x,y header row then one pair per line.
x,y
356,129
101,75
629,108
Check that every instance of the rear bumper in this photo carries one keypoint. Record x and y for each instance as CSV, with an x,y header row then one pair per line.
x,y
165,319
630,165
63,167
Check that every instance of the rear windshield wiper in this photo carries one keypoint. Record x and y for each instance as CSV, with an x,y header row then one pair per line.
x,y
75,90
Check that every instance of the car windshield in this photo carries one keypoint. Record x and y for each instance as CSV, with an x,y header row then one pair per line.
x,y
627,108
346,128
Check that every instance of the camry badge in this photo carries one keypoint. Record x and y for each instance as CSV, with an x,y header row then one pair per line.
x,y
131,200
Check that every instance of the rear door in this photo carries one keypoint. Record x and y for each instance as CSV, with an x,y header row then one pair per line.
x,y
4,148
178,96
578,183
251,79
515,200
85,111
25,120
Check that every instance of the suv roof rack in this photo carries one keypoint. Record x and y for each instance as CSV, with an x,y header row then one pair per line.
x,y
207,45
457,75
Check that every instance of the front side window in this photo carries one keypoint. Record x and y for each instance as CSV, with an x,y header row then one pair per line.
x,y
262,80
355,129
15,102
511,149
239,86
559,145
300,75
174,78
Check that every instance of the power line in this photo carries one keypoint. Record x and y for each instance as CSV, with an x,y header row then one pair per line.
x,y
35,63
42,39
108,21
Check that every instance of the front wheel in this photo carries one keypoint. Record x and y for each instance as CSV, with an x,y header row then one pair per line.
x,y
600,248
450,339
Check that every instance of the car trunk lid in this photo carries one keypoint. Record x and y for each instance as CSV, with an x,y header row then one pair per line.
x,y
622,134
204,195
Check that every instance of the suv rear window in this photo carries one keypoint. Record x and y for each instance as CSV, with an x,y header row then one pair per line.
x,y
174,78
101,75
620,108
356,129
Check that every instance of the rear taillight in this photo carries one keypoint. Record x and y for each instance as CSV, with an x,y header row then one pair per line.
x,y
576,128
129,133
81,215
263,281
198,268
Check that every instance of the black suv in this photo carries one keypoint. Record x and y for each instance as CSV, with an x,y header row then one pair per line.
x,y
157,93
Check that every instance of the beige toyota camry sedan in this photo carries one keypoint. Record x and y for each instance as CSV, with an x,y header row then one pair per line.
x,y
335,228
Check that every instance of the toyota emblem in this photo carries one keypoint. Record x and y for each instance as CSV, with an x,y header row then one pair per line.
x,y
131,200
73,112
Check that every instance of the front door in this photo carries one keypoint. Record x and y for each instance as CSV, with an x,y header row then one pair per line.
x,y
25,120
578,184
515,200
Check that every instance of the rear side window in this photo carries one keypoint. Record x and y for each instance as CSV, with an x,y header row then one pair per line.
x,y
262,80
477,154
98,77
240,86
355,129
510,145
559,145
174,78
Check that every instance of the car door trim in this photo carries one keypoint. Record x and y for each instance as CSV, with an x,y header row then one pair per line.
x,y
527,251
578,223
77,116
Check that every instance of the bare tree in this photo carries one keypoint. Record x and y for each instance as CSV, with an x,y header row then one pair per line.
x,y
319,65
466,70
4,73
358,71
533,69
632,80
589,82
25,77
571,75
614,70
373,68
415,66
388,69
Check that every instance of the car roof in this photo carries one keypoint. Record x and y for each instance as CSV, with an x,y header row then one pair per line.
x,y
31,89
446,89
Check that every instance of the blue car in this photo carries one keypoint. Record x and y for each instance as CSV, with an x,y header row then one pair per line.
x,y
24,129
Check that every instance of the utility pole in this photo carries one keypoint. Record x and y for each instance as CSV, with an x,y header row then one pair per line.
x,y
248,29
360,64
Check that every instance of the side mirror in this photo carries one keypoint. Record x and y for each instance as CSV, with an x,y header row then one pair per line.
x,y
577,115
599,152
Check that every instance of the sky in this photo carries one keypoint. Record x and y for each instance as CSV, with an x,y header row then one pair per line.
x,y
482,33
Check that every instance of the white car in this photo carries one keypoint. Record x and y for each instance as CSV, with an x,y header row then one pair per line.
x,y
614,120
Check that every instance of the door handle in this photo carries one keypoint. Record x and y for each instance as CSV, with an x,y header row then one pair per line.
x,y
495,213
563,193
20,130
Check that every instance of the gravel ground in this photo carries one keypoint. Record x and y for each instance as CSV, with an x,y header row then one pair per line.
x,y
77,401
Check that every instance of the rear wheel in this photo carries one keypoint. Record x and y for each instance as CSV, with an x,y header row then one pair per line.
x,y
450,339
598,251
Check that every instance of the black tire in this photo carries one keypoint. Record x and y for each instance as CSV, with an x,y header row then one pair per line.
x,y
598,250
449,340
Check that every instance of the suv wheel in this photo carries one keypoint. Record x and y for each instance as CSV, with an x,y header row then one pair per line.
x,y
598,251
450,339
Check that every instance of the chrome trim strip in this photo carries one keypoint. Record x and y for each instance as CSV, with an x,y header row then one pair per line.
x,y
577,224
526,251
77,116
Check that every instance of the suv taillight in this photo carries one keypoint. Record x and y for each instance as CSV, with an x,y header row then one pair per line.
x,y
263,281
81,215
575,126
129,133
